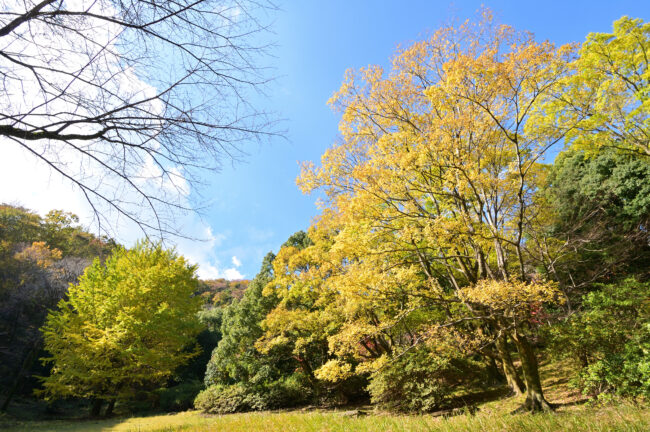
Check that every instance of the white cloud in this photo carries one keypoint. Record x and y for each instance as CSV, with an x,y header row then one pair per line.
x,y
203,251
233,274
229,13
30,182
176,182
208,271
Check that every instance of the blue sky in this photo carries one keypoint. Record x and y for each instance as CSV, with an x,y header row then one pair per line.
x,y
256,205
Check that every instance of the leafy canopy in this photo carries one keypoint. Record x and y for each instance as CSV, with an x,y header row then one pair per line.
x,y
125,327
606,101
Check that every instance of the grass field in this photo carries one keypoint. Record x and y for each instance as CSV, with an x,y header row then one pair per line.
x,y
572,414
621,418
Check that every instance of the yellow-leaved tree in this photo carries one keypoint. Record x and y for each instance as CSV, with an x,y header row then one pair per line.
x,y
606,97
431,188
124,328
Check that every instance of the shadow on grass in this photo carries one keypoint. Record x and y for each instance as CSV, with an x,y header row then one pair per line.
x,y
479,397
68,425
30,414
468,403
570,403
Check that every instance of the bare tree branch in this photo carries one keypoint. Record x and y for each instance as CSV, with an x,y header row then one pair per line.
x,y
132,101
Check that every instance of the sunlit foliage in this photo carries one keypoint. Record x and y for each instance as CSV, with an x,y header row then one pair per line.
x,y
125,327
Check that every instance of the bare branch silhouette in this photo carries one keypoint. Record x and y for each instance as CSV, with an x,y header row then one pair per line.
x,y
131,100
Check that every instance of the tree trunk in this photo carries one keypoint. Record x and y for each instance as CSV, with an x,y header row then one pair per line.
x,y
109,408
514,381
494,372
96,407
535,400
306,367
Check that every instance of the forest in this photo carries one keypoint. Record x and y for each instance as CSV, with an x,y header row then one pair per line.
x,y
483,214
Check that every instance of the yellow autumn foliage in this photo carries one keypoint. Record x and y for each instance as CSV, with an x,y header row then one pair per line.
x,y
334,371
512,296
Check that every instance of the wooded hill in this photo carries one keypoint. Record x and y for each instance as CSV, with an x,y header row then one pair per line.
x,y
39,258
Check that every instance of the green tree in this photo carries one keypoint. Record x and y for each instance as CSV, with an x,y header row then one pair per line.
x,y
597,209
18,224
61,230
240,376
124,328
235,359
606,101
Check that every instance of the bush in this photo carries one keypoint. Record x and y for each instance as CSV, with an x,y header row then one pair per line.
x,y
415,382
610,339
221,399
287,392
624,373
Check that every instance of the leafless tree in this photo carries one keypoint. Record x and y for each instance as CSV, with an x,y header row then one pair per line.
x,y
131,100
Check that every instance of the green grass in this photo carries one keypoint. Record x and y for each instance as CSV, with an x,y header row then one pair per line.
x,y
494,415
613,418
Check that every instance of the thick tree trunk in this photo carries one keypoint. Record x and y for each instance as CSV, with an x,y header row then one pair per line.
x,y
109,408
514,381
96,407
535,400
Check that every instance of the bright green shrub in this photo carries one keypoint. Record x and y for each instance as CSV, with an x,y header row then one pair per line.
x,y
625,372
283,393
224,399
610,339
287,392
